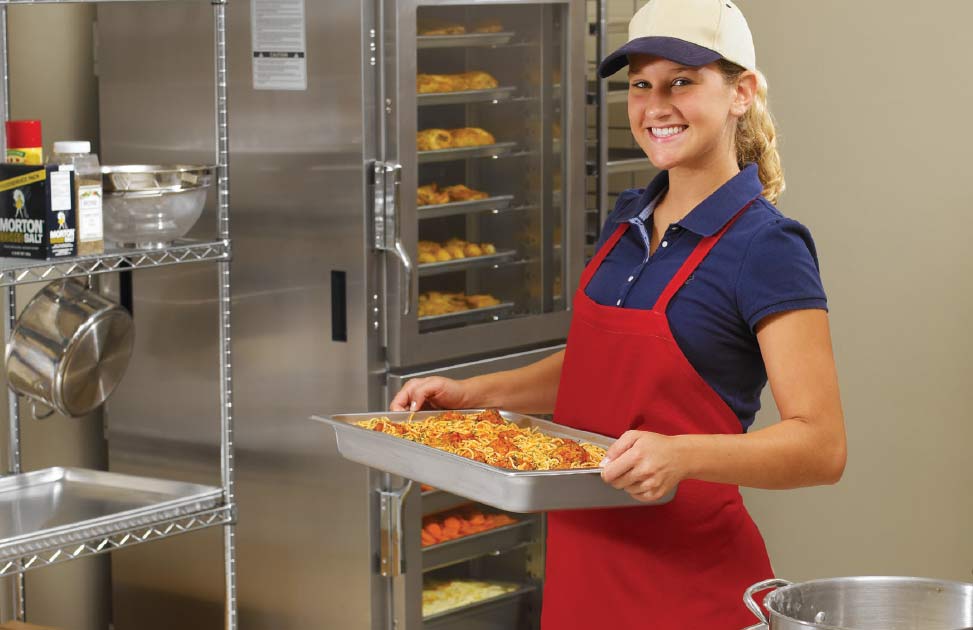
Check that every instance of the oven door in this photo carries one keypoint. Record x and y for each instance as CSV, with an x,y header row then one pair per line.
x,y
479,191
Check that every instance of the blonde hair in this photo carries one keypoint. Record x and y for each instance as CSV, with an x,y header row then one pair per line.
x,y
756,135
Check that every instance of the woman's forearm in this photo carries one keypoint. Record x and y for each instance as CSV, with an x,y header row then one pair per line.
x,y
530,389
792,453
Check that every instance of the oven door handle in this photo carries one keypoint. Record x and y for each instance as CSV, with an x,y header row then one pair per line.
x,y
388,224
392,556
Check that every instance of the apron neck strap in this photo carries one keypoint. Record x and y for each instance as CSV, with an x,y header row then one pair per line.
x,y
695,258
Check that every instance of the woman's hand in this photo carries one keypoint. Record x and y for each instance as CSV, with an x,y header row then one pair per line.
x,y
645,465
433,392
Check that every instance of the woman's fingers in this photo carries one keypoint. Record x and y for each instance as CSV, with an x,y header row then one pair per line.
x,y
621,445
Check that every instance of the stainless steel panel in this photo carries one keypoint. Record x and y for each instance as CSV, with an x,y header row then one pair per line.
x,y
511,490
298,212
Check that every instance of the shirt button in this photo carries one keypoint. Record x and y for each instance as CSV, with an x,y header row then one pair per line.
x,y
665,243
618,303
630,278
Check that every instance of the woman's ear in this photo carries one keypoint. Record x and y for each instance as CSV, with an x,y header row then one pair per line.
x,y
744,91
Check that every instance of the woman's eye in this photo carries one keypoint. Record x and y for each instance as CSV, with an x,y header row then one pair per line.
x,y
640,85
680,82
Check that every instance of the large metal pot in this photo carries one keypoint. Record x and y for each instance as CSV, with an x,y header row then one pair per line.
x,y
69,349
864,603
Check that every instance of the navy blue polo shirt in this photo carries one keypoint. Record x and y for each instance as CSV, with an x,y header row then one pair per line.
x,y
765,263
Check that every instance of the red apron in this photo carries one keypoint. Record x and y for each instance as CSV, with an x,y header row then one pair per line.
x,y
679,566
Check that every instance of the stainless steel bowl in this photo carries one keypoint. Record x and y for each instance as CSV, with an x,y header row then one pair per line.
x,y
151,205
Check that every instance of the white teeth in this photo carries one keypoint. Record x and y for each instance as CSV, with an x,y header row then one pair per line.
x,y
665,132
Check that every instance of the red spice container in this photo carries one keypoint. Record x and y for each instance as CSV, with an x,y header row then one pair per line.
x,y
24,144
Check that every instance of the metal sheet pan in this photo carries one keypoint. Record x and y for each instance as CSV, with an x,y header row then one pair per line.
x,y
55,506
462,153
467,39
511,490
488,542
465,96
471,316
471,262
499,202
460,613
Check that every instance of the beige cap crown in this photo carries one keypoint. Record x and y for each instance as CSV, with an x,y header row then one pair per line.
x,y
693,32
715,24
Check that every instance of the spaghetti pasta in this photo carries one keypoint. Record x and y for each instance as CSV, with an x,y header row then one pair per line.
x,y
486,437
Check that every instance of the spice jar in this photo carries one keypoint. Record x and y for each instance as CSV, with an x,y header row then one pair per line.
x,y
87,178
24,144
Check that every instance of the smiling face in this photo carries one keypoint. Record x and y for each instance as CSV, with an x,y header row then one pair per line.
x,y
683,117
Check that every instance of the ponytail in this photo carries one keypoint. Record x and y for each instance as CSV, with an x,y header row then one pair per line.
x,y
756,136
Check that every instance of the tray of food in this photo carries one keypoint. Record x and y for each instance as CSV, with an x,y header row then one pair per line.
x,y
442,310
454,97
446,597
508,460
469,262
464,40
471,532
460,153
451,208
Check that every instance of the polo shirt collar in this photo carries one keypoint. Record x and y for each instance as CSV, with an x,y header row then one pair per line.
x,y
712,213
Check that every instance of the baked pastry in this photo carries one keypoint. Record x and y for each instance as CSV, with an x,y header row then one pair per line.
x,y
481,301
431,195
453,249
474,80
471,137
459,192
431,83
433,139
479,80
488,26
440,27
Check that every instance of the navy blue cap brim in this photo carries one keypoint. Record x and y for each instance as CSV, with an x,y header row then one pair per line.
x,y
671,48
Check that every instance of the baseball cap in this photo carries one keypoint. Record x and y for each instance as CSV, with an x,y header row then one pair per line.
x,y
690,32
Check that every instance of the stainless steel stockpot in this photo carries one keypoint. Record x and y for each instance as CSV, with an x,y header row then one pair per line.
x,y
69,348
864,603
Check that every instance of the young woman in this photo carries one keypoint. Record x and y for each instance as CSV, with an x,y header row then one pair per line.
x,y
700,292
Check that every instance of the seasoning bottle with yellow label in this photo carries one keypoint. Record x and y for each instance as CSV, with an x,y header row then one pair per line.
x,y
24,142
87,177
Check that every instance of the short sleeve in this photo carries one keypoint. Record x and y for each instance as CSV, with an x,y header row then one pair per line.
x,y
779,273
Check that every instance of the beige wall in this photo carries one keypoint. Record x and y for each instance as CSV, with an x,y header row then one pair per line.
x,y
51,78
873,102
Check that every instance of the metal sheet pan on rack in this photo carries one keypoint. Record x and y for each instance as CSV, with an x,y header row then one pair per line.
x,y
459,615
438,501
489,542
56,506
511,490
500,202
471,316
465,96
462,153
471,262
467,39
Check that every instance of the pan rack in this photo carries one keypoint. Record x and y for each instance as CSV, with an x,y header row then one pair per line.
x,y
130,510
